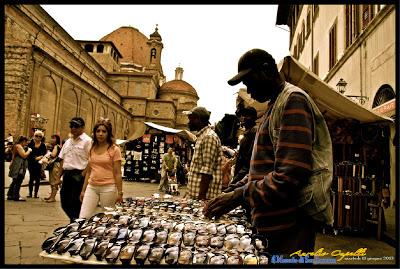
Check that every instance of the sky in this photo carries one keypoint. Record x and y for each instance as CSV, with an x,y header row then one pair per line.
x,y
205,40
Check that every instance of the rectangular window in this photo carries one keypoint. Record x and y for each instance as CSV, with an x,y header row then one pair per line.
x,y
298,45
349,18
352,24
316,11
367,15
316,64
332,46
356,21
308,22
303,36
100,48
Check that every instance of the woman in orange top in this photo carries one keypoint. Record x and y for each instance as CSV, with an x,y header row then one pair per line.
x,y
103,180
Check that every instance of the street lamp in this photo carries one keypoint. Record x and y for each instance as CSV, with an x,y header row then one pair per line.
x,y
341,86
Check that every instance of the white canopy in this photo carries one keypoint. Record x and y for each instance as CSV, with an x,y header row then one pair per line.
x,y
120,141
182,133
331,103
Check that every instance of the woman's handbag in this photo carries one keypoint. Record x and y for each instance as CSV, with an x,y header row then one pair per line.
x,y
50,164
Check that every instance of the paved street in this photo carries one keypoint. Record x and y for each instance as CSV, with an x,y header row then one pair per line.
x,y
28,224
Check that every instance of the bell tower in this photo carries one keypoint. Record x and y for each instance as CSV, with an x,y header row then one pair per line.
x,y
156,47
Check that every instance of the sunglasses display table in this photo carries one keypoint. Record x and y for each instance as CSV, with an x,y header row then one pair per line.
x,y
158,230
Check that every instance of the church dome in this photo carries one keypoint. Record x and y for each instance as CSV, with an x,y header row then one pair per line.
x,y
178,86
131,43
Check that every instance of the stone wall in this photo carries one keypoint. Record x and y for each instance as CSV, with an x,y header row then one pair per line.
x,y
17,74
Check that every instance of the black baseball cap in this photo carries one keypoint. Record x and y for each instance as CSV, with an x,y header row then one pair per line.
x,y
78,121
249,61
201,112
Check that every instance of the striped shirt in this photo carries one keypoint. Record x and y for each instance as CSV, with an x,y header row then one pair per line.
x,y
274,178
206,159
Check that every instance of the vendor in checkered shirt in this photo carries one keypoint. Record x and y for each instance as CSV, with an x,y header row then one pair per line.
x,y
205,175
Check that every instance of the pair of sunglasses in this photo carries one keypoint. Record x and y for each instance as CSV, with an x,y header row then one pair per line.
x,y
74,125
39,136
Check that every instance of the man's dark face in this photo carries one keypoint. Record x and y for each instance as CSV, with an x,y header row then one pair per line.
x,y
247,121
260,86
194,122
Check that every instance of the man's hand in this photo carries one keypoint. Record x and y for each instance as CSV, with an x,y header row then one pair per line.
x,y
222,204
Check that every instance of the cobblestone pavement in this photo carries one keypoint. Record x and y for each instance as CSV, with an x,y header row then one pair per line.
x,y
28,224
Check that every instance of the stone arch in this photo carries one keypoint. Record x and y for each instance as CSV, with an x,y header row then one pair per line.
x,y
126,129
87,113
113,122
47,100
68,110
102,111
120,125
384,94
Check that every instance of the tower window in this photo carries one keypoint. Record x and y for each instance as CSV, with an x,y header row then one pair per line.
x,y
89,48
100,48
153,53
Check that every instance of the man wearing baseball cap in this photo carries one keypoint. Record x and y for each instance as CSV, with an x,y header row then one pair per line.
x,y
288,184
74,157
205,174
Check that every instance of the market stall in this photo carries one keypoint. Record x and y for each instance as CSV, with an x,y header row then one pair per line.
x,y
143,155
157,230
360,141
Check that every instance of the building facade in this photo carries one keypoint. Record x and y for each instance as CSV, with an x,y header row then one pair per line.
x,y
50,77
352,46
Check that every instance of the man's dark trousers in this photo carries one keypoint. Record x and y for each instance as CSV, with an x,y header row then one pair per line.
x,y
70,192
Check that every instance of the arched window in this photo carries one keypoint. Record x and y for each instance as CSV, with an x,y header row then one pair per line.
x,y
384,94
89,48
100,48
153,53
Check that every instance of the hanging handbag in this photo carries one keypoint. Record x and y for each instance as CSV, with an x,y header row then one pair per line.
x,y
50,164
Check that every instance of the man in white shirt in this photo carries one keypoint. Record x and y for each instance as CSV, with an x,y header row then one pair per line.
x,y
74,157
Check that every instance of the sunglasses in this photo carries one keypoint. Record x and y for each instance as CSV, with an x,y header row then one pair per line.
x,y
38,136
74,125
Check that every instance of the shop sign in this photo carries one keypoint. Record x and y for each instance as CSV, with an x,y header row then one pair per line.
x,y
387,108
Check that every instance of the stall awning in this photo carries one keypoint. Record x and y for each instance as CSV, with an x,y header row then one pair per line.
x,y
185,134
332,104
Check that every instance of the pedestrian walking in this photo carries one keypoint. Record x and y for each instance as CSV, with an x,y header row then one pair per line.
x,y
103,180
288,185
74,157
54,168
205,174
169,164
18,166
35,168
